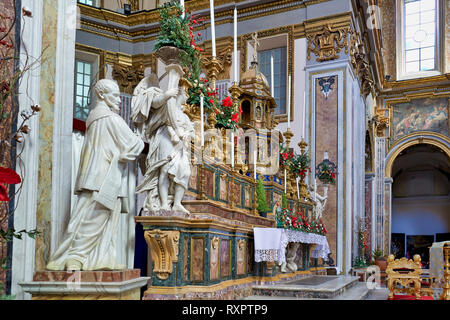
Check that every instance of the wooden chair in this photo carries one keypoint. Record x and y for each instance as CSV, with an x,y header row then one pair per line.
x,y
404,273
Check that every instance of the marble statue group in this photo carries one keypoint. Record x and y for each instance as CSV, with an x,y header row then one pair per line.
x,y
109,145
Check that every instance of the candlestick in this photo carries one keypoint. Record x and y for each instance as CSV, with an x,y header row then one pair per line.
x,y
202,119
272,76
235,62
213,28
289,101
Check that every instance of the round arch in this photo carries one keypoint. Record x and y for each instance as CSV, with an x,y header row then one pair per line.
x,y
437,140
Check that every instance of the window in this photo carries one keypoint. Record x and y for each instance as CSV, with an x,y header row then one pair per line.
x,y
280,77
83,80
88,2
419,37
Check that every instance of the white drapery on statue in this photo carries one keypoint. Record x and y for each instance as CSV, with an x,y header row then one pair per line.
x,y
101,187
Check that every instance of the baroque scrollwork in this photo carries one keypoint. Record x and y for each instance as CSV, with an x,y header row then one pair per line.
x,y
327,43
128,77
164,250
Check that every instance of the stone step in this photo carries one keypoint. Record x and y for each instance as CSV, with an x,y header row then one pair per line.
x,y
357,292
315,287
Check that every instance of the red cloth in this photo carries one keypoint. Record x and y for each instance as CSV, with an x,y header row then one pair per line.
x,y
407,297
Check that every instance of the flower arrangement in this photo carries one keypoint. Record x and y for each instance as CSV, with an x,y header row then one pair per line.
x,y
228,114
178,31
326,172
199,87
285,156
299,165
297,221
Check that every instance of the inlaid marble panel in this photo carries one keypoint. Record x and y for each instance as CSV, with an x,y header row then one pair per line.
x,y
250,255
197,259
223,187
237,193
225,258
214,259
185,257
193,180
327,140
209,182
248,196
241,253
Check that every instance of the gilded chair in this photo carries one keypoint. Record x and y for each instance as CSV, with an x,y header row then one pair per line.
x,y
403,276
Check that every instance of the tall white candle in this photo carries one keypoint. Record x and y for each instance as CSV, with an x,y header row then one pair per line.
x,y
202,120
255,158
285,181
213,28
272,76
298,190
235,62
304,116
182,7
325,155
232,149
289,101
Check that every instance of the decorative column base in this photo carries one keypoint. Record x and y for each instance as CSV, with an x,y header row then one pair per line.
x,y
86,285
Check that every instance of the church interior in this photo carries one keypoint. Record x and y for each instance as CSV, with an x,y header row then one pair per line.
x,y
225,149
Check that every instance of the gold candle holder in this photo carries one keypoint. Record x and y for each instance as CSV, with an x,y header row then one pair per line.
x,y
446,287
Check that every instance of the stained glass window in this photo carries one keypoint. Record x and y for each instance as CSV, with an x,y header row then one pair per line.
x,y
280,71
83,80
419,34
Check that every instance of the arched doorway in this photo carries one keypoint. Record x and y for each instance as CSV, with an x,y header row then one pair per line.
x,y
420,200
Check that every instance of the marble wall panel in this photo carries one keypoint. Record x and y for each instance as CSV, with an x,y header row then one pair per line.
x,y
388,22
327,140
194,177
447,35
185,258
209,182
197,259
237,193
214,256
223,190
368,214
46,117
248,196
250,256
241,254
225,258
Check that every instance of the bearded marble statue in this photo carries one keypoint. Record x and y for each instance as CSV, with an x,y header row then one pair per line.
x,y
160,119
101,186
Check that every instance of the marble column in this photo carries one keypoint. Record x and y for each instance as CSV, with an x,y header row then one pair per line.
x,y
25,214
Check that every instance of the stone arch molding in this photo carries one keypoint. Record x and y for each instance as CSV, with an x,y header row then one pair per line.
x,y
435,139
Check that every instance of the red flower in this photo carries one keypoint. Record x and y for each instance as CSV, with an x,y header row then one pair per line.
x,y
240,109
7,176
285,156
333,175
211,101
235,117
227,102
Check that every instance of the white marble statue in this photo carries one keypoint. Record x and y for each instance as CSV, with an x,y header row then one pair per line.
x,y
291,254
160,119
101,186
320,201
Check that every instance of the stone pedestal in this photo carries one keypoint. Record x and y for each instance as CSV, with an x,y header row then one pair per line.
x,y
86,285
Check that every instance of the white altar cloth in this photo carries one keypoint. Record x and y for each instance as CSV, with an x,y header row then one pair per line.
x,y
271,243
